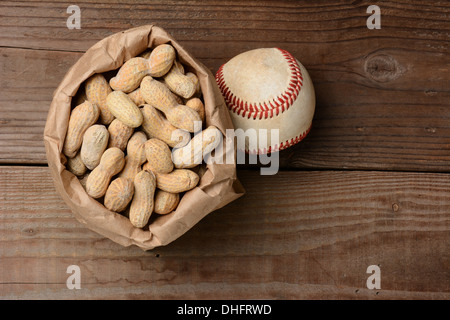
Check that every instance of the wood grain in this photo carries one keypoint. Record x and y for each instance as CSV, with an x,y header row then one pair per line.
x,y
311,231
382,95
296,235
29,78
42,25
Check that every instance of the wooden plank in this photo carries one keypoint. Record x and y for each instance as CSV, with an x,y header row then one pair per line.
x,y
296,235
29,78
382,95
41,25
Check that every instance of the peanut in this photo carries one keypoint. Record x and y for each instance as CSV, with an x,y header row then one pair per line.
x,y
179,83
124,109
130,75
136,97
160,97
82,117
161,59
119,134
179,65
111,163
143,200
197,105
97,89
178,98
184,118
83,179
159,157
165,202
157,94
179,180
200,146
95,141
119,194
76,165
196,82
155,125
135,155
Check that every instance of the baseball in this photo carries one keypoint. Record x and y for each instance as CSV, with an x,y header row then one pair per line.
x,y
268,89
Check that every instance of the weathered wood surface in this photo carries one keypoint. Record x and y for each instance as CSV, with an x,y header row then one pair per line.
x,y
382,104
382,95
292,236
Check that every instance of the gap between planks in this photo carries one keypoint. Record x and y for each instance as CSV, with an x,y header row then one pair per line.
x,y
243,168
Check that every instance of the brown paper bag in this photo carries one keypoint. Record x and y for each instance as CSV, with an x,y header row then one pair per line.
x,y
217,187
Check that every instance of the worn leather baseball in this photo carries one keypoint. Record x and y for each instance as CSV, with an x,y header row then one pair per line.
x,y
268,88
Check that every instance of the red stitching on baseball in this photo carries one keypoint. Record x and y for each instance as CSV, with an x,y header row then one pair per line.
x,y
285,99
282,146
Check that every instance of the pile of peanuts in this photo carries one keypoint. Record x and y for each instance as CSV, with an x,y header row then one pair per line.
x,y
120,140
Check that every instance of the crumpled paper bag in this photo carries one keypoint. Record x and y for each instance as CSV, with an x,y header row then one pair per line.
x,y
218,185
